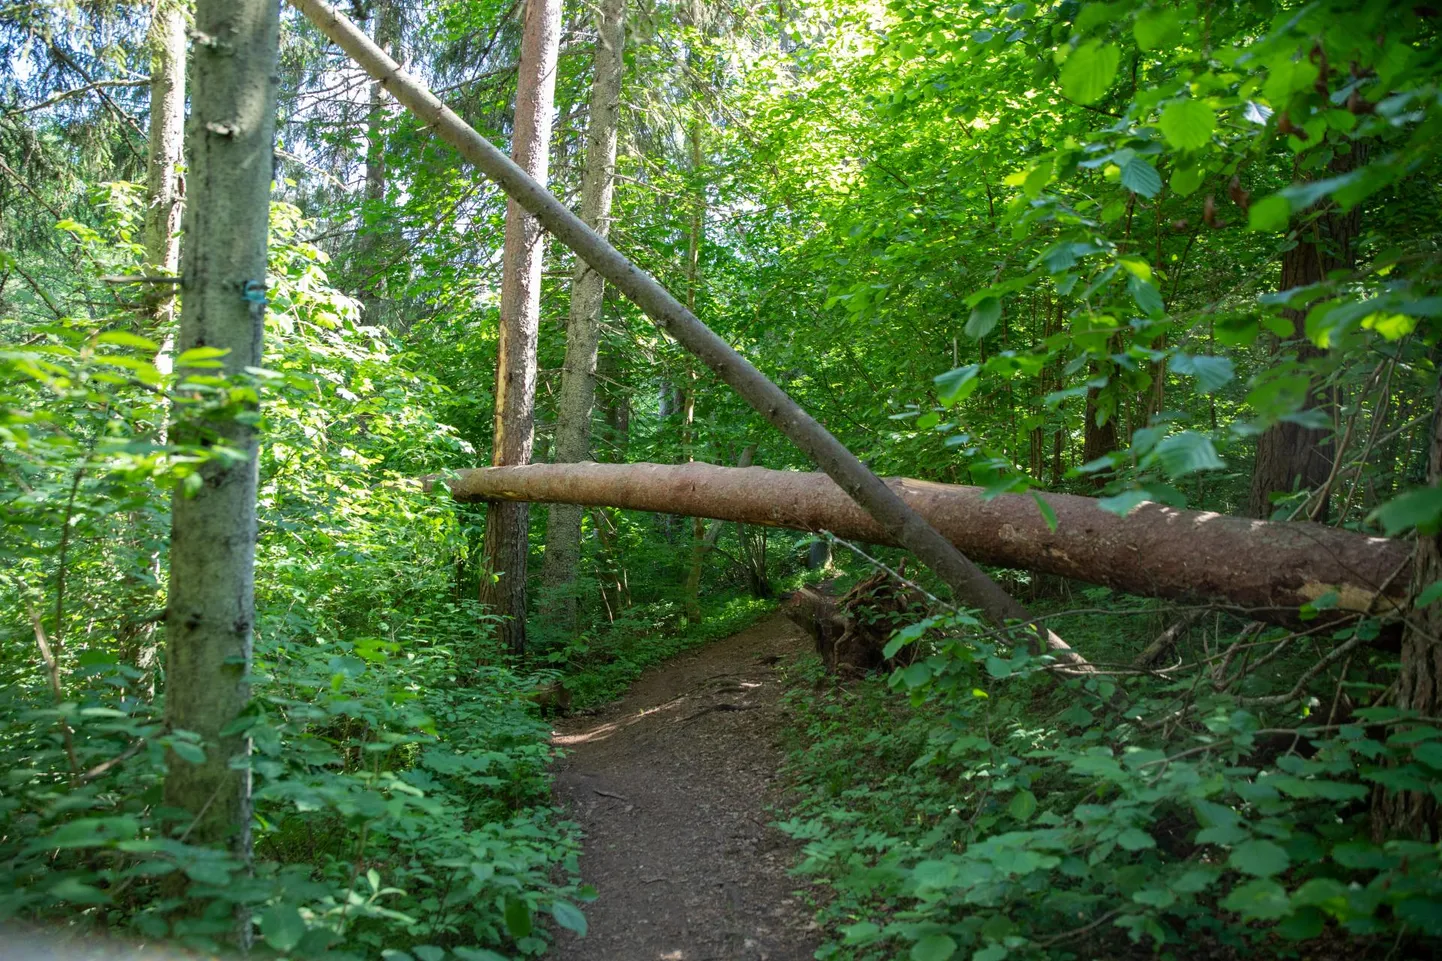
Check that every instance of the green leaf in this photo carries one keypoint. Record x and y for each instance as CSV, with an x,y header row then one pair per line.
x,y
124,338
1135,839
477,954
1089,71
916,674
200,357
1141,178
1420,508
1269,213
1047,513
955,386
984,317
933,947
1022,805
1259,858
518,918
1261,899
569,916
1429,595
428,952
1186,180
1155,28
1186,453
281,926
188,751
1212,373
1147,297
859,933
1423,914
1188,124
1429,753
1124,503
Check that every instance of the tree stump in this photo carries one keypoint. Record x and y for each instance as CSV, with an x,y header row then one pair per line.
x,y
851,632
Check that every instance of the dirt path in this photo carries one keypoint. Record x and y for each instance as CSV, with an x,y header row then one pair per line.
x,y
672,785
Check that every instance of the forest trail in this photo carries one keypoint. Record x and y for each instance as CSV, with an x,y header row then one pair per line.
x,y
672,785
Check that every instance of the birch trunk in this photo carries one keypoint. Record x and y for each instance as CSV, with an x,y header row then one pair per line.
x,y
507,524
583,326
230,154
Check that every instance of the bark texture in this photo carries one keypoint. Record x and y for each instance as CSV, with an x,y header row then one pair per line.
x,y
969,583
1263,568
1289,455
507,525
372,292
212,542
164,191
577,400
1415,814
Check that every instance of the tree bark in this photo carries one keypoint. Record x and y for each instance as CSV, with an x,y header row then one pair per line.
x,y
1098,439
164,194
968,582
164,197
1290,455
372,291
577,401
1261,568
1415,814
694,236
230,156
507,525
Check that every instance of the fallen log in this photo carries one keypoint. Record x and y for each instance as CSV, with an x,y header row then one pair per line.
x,y
968,581
1265,570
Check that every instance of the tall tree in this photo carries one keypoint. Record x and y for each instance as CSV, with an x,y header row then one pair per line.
x,y
1289,453
507,524
387,17
583,325
1415,813
694,234
211,607
164,155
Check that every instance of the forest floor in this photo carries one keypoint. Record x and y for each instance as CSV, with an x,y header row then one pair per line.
x,y
673,785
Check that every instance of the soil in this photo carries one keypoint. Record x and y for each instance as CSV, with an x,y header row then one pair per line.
x,y
674,786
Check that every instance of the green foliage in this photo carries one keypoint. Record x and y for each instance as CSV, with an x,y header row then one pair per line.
x,y
400,786
998,814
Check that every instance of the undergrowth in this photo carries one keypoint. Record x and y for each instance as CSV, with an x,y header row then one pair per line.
x,y
973,806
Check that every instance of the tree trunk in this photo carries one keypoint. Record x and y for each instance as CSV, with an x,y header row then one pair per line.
x,y
372,288
968,582
1265,570
164,193
230,156
1290,455
1414,814
694,236
164,203
577,402
1098,439
507,525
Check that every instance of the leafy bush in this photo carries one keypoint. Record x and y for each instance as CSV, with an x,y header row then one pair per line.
x,y
1001,812
399,774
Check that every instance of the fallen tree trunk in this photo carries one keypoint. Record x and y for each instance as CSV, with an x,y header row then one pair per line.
x,y
970,584
1264,569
